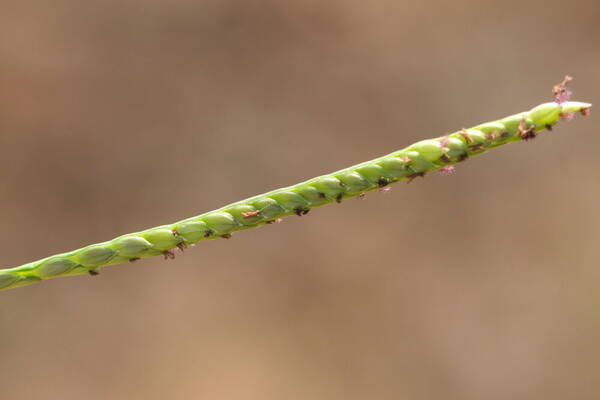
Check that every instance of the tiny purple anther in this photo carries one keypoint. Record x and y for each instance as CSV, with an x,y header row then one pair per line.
x,y
560,91
448,169
563,96
566,116
444,141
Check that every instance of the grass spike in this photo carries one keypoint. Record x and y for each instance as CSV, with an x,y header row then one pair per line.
x,y
439,154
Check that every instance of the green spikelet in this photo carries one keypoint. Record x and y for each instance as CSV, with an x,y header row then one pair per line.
x,y
414,161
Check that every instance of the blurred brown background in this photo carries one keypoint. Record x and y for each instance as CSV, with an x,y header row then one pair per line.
x,y
120,115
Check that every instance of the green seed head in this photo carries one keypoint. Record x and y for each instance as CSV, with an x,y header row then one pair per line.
x,y
512,123
574,106
489,127
394,165
192,231
132,246
477,136
221,222
269,208
371,171
453,143
313,195
289,200
430,150
161,239
329,185
354,182
546,114
245,214
418,163
55,267
96,255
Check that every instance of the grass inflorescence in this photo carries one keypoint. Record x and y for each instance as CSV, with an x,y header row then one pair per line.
x,y
438,154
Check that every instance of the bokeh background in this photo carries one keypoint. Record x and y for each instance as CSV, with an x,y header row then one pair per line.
x,y
120,115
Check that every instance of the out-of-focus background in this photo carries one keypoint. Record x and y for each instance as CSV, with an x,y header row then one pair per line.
x,y
120,115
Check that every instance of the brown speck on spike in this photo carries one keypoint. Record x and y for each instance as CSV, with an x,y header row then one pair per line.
x,y
381,182
226,236
93,272
493,135
549,127
338,198
476,147
529,136
322,195
208,233
412,177
251,214
182,246
169,254
463,156
560,91
134,259
300,211
445,159
361,196
526,133
274,221
585,112
465,134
